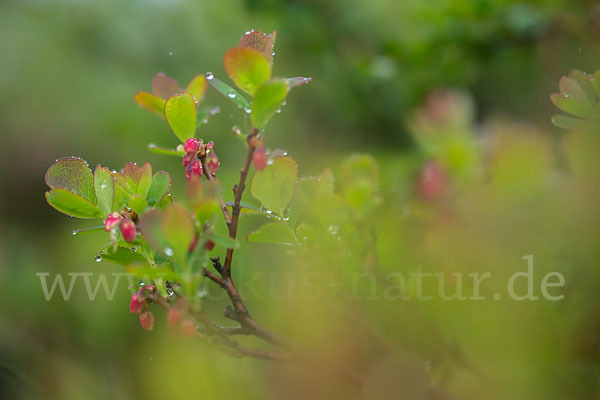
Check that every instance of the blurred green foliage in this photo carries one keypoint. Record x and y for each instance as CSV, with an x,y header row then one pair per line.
x,y
513,186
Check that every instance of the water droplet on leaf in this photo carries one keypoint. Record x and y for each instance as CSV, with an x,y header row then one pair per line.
x,y
209,75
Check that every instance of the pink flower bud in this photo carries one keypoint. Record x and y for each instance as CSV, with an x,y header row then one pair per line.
x,y
431,182
187,159
260,158
191,145
174,318
147,320
210,145
188,328
213,163
209,245
195,168
111,221
128,230
138,301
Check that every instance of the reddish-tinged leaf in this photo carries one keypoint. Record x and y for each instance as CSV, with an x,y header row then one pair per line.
x,y
248,68
165,87
73,174
144,180
260,42
132,175
197,87
150,102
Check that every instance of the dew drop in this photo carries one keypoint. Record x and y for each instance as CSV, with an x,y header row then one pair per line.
x,y
98,258
248,111
209,75
74,233
215,110
170,53
169,252
170,291
278,110
231,95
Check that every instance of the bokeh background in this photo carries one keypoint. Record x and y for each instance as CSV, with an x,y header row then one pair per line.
x,y
516,185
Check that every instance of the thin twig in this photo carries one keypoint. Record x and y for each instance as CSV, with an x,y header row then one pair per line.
x,y
222,333
238,190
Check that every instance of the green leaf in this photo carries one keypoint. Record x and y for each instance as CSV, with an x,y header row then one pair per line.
x,y
230,93
571,88
273,233
566,122
248,68
161,183
571,106
307,233
144,180
74,175
123,256
165,151
197,88
178,230
180,112
122,191
138,203
260,42
150,225
204,113
164,202
585,82
72,204
86,231
150,102
149,273
224,241
267,100
596,83
105,189
274,185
